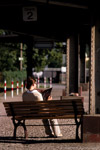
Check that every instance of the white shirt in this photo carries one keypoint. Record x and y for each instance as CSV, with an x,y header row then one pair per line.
x,y
33,95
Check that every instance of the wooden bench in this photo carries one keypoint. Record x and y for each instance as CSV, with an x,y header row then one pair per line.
x,y
72,97
55,109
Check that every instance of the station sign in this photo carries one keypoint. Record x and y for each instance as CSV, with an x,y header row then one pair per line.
x,y
29,13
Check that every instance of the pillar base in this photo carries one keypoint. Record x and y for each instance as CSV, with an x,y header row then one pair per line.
x,y
85,86
91,128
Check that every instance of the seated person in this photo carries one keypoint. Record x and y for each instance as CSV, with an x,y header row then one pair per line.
x,y
34,95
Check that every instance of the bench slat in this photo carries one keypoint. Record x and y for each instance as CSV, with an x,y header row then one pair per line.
x,y
46,117
44,107
52,107
25,112
44,102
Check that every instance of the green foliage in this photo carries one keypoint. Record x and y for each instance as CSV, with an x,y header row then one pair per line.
x,y
14,75
9,54
2,32
45,57
59,44
55,58
39,59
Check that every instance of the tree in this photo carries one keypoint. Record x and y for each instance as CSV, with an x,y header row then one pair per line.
x,y
45,57
9,57
10,53
55,58
39,59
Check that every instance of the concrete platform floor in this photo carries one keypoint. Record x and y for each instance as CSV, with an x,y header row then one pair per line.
x,y
37,139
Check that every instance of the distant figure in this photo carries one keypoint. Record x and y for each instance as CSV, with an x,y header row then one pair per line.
x,y
34,95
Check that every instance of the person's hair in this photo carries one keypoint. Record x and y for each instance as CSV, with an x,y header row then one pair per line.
x,y
30,82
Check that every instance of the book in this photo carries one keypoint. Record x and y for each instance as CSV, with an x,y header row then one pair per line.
x,y
46,93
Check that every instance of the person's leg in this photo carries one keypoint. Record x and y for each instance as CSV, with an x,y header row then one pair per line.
x,y
48,130
56,128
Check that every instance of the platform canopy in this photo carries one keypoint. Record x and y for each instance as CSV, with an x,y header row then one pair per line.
x,y
55,19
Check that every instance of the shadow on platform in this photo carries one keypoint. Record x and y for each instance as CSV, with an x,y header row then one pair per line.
x,y
35,140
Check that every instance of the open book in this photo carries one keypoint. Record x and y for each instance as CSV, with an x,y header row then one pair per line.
x,y
46,93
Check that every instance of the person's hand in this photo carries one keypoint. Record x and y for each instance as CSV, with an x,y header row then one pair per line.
x,y
50,98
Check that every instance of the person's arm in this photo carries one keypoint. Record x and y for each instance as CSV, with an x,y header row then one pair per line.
x,y
40,90
49,98
38,95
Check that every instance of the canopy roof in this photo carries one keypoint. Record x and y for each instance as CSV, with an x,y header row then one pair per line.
x,y
55,19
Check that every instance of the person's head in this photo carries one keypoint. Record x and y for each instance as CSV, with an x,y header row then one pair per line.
x,y
31,82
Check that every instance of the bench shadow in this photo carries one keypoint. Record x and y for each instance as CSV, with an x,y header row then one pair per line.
x,y
36,140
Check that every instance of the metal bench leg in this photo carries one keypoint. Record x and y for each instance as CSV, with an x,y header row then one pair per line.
x,y
25,130
19,123
81,129
80,123
15,128
14,134
77,128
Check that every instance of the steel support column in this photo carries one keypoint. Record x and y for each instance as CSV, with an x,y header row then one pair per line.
x,y
92,73
29,58
73,64
67,65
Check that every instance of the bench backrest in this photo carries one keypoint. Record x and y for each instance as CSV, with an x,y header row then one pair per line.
x,y
45,109
72,97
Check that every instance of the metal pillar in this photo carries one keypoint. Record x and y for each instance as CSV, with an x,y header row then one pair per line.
x,y
82,60
29,58
92,74
78,61
73,63
67,65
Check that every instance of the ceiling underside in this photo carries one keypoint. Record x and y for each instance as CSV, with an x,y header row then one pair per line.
x,y
56,19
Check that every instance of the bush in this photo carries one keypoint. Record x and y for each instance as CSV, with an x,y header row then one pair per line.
x,y
14,75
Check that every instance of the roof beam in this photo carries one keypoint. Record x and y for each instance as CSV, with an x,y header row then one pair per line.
x,y
68,4
60,3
